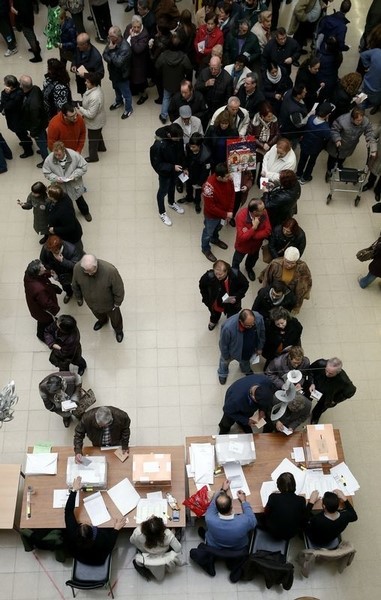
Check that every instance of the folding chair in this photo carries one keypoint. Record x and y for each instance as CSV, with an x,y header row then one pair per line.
x,y
90,577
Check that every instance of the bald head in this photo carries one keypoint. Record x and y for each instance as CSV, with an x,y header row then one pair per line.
x,y
83,39
89,264
26,83
215,65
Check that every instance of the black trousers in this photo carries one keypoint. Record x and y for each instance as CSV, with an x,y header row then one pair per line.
x,y
6,31
102,19
82,205
96,143
226,424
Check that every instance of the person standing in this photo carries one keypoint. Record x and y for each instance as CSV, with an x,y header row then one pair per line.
x,y
34,116
61,217
38,200
218,196
6,28
64,340
24,21
104,426
329,378
117,55
67,127
75,8
94,114
100,11
11,102
89,57
41,296
57,387
98,283
60,257
374,269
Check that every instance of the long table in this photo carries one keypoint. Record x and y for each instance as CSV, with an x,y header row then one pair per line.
x,y
9,477
43,515
271,449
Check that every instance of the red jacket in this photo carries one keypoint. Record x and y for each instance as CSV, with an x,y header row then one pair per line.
x,y
214,37
41,296
249,240
218,197
73,135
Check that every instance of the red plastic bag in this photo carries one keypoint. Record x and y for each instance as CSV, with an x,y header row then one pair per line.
x,y
199,502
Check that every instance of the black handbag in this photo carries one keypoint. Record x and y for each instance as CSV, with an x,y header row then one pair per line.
x,y
366,253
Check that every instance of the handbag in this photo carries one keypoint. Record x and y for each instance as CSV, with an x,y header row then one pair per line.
x,y
366,253
87,399
266,254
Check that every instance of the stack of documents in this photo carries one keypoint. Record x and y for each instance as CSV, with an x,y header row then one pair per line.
x,y
41,464
235,474
124,496
96,509
202,463
149,507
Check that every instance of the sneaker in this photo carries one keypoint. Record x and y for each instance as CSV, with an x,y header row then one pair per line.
x,y
116,105
176,208
304,180
166,220
10,52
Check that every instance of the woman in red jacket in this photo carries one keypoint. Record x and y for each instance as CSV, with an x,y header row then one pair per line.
x,y
41,296
207,36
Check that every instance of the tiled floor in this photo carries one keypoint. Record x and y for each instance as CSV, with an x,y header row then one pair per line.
x,y
164,373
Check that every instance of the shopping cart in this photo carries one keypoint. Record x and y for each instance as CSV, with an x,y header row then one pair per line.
x,y
352,179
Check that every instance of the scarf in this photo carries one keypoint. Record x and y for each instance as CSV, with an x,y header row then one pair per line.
x,y
275,79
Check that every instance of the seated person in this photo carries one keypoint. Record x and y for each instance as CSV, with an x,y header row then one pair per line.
x,y
225,530
326,526
56,388
285,512
272,296
290,359
88,544
159,549
104,426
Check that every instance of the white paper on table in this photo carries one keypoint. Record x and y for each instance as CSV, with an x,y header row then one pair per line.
x,y
110,447
315,479
41,464
236,476
183,177
147,508
96,509
202,462
345,479
286,466
124,496
298,453
60,498
190,472
267,488
154,495
151,467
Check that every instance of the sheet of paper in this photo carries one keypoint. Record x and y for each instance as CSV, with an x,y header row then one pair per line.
x,y
315,479
148,508
96,509
190,472
345,479
316,395
103,448
124,496
41,464
254,359
68,405
286,430
264,183
151,467
299,454
60,498
260,422
201,46
154,495
267,488
202,461
119,454
81,70
183,177
42,448
236,178
286,466
236,476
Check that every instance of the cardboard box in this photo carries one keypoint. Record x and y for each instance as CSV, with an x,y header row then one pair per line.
x,y
148,469
319,445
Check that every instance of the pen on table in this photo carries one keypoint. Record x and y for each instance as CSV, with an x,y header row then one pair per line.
x,y
343,480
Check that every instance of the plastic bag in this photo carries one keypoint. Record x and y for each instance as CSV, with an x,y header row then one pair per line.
x,y
198,502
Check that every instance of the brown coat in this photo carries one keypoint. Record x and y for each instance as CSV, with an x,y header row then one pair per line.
x,y
120,429
301,284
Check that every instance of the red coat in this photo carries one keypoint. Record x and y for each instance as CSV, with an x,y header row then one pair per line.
x,y
218,197
41,296
249,240
214,37
73,135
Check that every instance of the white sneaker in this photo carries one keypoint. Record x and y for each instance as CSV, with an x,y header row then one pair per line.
x,y
166,220
10,52
176,208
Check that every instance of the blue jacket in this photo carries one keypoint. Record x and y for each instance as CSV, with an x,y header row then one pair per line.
x,y
335,25
231,338
229,534
371,59
316,136
238,405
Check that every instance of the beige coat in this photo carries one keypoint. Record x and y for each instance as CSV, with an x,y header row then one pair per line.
x,y
301,284
160,559
93,109
301,10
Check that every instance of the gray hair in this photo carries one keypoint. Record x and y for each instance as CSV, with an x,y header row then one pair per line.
x,y
137,19
34,267
115,31
234,99
252,76
335,363
103,416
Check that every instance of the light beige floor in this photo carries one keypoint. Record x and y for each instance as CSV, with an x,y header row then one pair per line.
x,y
164,373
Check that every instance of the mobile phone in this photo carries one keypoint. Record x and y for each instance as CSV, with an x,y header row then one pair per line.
x,y
175,515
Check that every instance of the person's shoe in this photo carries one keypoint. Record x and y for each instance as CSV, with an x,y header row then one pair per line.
x,y
163,119
26,154
374,110
126,115
98,325
128,8
40,165
66,421
90,18
35,59
377,196
304,180
80,302
82,369
158,101
180,187
176,208
220,244
143,571
222,380
211,326
184,200
367,187
43,240
251,275
119,336
142,99
10,52
197,208
66,299
90,160
166,220
116,105
88,217
209,255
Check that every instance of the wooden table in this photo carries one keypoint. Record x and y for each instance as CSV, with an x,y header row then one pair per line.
x,y
45,516
9,477
271,449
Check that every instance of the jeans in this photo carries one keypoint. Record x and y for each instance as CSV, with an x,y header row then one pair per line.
x,y
123,94
167,185
165,104
7,32
366,280
250,261
223,367
210,232
42,143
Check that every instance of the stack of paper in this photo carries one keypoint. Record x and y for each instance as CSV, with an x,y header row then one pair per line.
x,y
60,498
235,474
42,448
124,496
149,507
96,509
316,480
41,464
267,488
286,466
202,463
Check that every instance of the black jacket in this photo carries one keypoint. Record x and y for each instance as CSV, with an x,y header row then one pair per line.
x,y
212,290
218,94
279,339
92,61
281,203
11,106
165,153
251,102
292,112
334,389
274,53
263,304
216,139
198,165
172,67
196,103
278,242
33,114
62,218
71,255
118,61
25,16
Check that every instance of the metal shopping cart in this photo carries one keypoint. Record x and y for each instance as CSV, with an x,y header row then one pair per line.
x,y
352,179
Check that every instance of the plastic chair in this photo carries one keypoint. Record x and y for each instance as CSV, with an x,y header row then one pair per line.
x,y
337,551
90,577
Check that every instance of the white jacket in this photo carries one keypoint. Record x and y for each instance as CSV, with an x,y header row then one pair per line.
x,y
272,164
93,108
160,559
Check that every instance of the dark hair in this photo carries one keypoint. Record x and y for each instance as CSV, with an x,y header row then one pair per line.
x,y
292,224
280,31
242,59
272,64
57,71
153,529
227,8
196,139
312,61
211,16
298,89
221,170
287,179
254,204
223,503
11,81
186,17
94,78
85,538
175,131
66,323
345,6
331,502
279,286
280,313
224,117
53,383
55,191
39,188
286,483
67,107
265,108
332,44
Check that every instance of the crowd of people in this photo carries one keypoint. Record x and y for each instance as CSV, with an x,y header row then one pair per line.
x,y
229,72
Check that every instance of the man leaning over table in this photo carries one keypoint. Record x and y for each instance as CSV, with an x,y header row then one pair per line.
x,y
104,426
